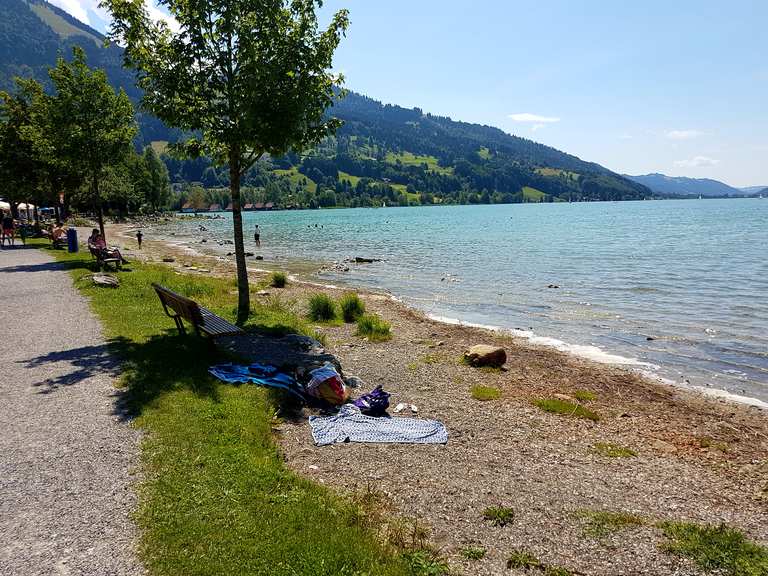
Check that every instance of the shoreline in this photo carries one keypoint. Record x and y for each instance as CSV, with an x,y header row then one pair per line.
x,y
298,272
679,455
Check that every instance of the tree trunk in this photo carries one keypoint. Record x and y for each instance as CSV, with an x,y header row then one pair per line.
x,y
99,207
243,293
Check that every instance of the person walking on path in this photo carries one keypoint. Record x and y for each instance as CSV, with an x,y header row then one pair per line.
x,y
139,237
257,236
68,457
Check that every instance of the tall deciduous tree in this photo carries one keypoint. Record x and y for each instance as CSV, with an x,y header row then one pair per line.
x,y
92,125
253,76
21,170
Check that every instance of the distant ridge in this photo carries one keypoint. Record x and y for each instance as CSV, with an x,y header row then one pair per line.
x,y
382,150
682,186
750,190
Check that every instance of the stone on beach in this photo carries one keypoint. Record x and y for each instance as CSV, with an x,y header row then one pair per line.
x,y
485,355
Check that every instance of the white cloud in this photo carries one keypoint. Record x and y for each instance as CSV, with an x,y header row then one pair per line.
x,y
683,134
80,9
625,136
528,118
696,162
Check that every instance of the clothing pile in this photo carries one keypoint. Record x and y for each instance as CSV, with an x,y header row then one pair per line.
x,y
363,420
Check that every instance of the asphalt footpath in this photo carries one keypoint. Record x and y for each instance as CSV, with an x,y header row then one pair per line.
x,y
68,457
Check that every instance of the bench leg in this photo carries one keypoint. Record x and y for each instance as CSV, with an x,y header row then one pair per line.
x,y
180,325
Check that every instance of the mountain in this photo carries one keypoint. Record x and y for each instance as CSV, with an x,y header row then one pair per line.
x,y
382,154
752,190
681,186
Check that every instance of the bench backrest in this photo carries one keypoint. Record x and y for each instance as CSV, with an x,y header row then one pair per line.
x,y
183,306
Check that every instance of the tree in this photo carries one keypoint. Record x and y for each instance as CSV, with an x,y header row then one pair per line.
x,y
158,189
20,167
197,198
92,126
253,76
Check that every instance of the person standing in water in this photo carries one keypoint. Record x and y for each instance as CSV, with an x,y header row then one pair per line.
x,y
139,237
257,236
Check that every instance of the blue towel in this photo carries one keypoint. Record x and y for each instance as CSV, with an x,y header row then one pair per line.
x,y
349,425
259,374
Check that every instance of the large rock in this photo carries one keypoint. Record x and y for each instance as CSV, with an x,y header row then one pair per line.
x,y
485,355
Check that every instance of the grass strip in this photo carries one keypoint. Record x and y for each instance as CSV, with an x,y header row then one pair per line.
x,y
216,498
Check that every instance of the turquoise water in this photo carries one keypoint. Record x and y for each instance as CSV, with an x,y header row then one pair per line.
x,y
677,288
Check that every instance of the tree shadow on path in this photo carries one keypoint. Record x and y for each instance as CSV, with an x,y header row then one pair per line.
x,y
147,370
85,362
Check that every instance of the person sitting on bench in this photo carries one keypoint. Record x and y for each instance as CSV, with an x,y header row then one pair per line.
x,y
97,243
58,235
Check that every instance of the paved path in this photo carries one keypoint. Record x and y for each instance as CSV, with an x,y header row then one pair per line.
x,y
66,455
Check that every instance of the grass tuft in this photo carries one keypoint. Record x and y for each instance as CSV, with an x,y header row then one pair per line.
x,y
499,515
484,393
351,307
322,308
473,552
426,563
716,548
613,450
374,328
278,279
584,395
565,408
523,560
601,523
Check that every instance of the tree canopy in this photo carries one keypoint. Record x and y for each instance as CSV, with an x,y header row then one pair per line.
x,y
251,76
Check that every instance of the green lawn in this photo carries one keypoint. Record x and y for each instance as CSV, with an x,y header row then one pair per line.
x,y
410,159
532,194
216,497
297,178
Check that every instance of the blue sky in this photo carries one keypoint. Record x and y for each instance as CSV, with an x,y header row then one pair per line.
x,y
678,87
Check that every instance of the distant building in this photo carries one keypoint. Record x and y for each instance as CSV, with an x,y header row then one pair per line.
x,y
214,208
258,206
269,206
187,207
248,206
229,207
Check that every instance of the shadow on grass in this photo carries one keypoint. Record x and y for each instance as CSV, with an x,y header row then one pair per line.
x,y
164,363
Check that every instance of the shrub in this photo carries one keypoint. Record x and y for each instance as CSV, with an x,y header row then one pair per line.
x,y
351,307
485,392
322,308
374,328
557,406
278,280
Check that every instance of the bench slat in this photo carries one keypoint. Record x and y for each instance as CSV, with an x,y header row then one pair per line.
x,y
202,318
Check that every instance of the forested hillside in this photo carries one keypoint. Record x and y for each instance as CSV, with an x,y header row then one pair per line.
x,y
680,186
382,154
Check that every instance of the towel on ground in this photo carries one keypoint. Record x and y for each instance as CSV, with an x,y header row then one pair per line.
x,y
350,425
260,374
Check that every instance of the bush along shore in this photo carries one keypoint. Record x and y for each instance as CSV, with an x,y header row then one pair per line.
x,y
554,465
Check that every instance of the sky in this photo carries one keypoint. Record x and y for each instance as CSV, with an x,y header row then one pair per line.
x,y
678,87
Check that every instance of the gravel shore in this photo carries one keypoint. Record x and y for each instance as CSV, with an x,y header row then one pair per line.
x,y
68,459
695,458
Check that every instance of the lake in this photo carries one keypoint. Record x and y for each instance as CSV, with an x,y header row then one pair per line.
x,y
676,288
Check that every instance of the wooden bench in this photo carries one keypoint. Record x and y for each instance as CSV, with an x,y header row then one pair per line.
x,y
203,320
102,261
